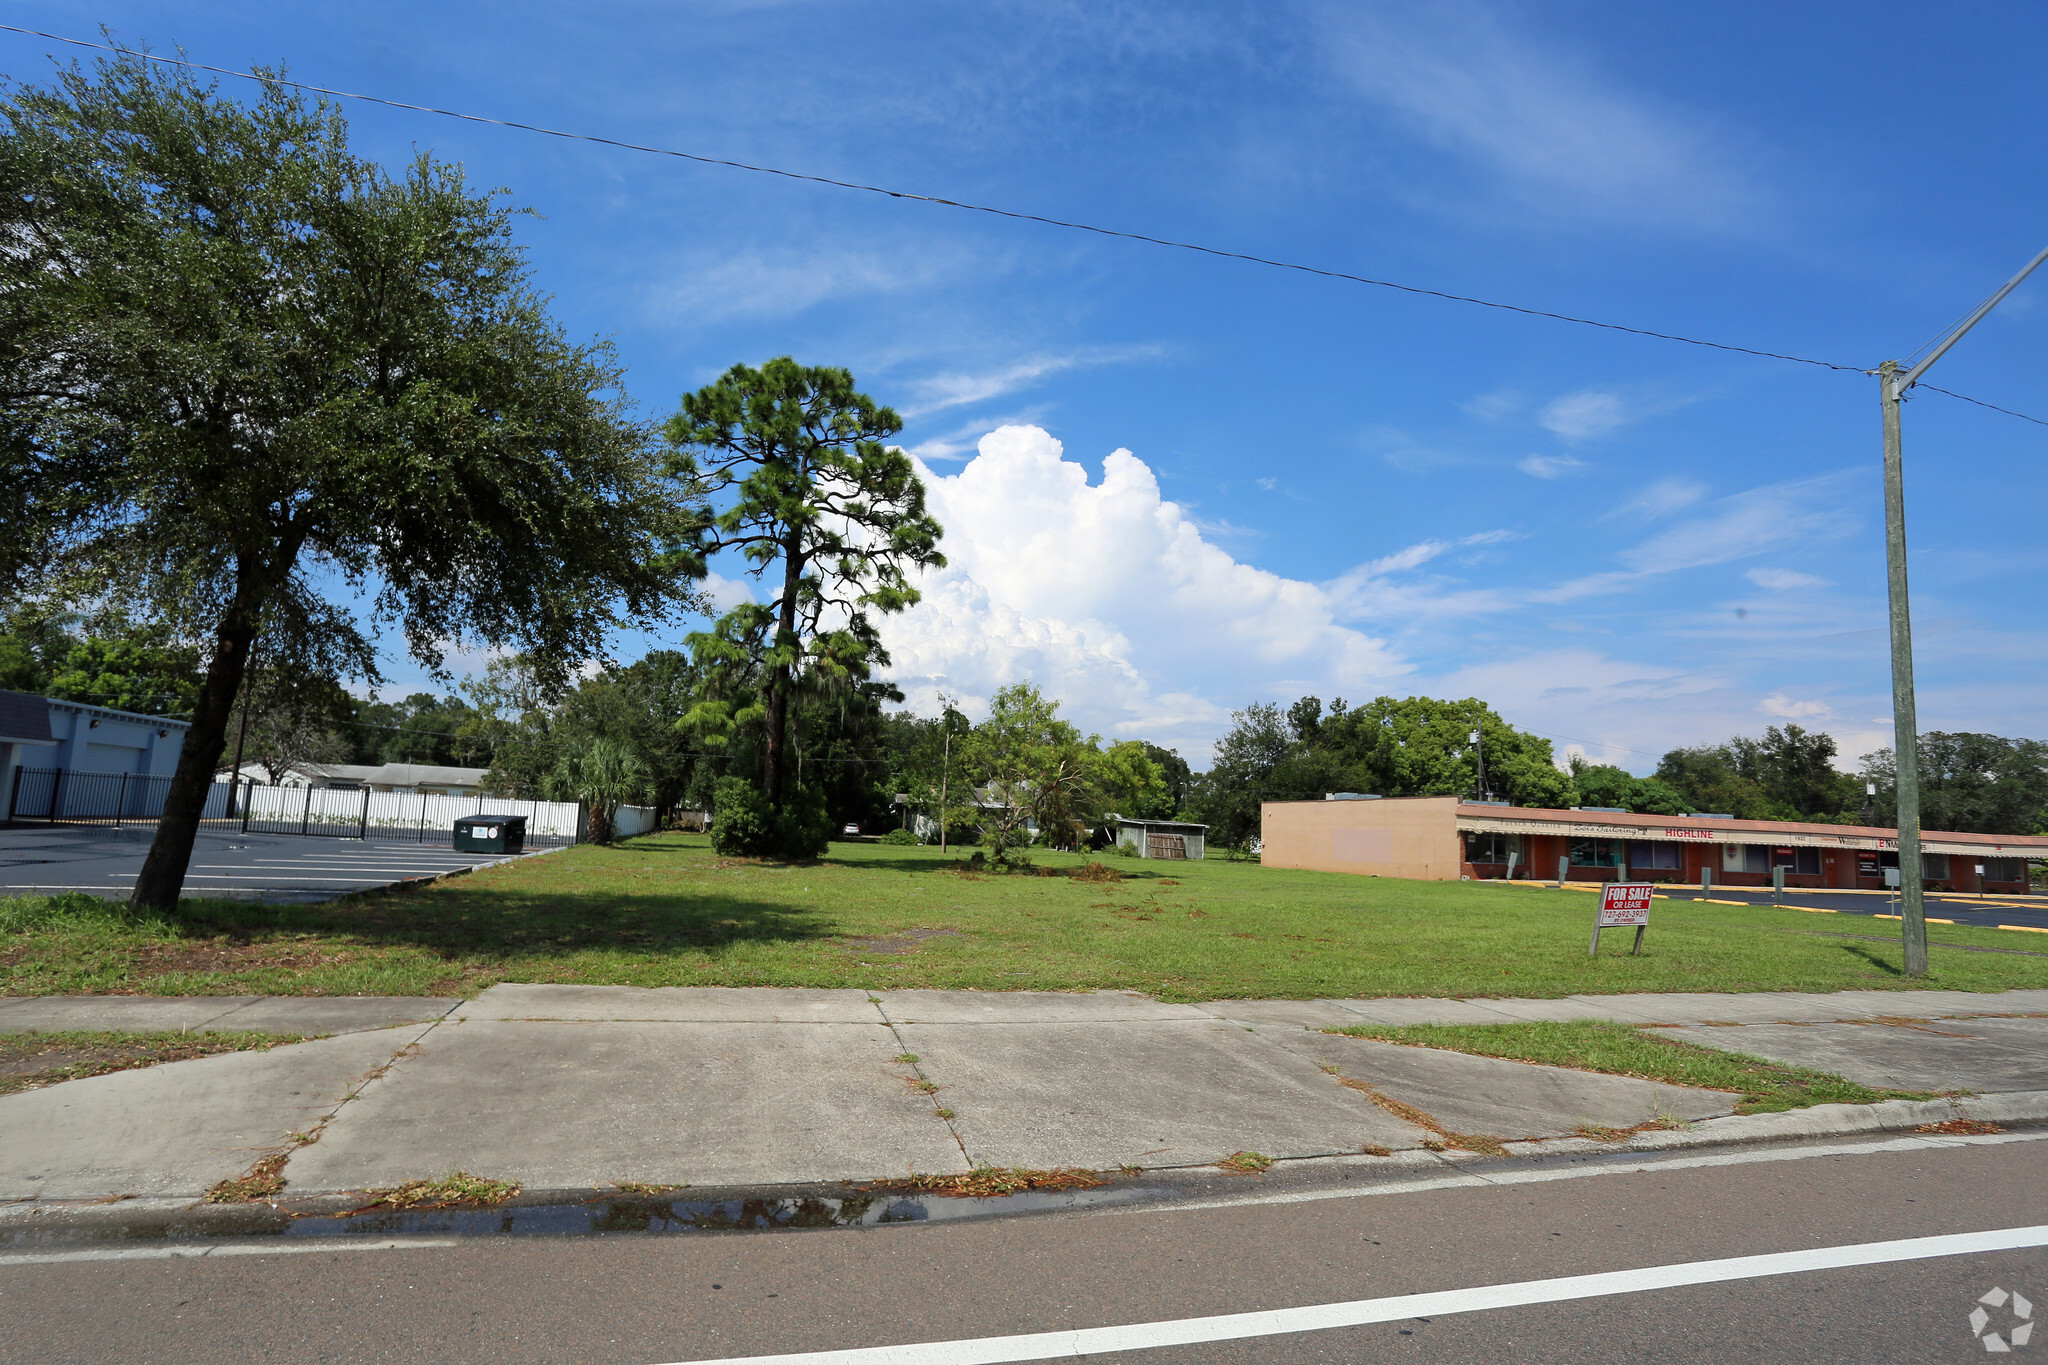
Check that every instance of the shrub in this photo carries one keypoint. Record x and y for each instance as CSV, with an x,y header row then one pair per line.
x,y
803,827
743,825
898,838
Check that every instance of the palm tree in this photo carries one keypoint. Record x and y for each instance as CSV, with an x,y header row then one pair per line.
x,y
603,774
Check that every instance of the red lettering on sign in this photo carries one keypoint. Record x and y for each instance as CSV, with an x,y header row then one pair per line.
x,y
1625,903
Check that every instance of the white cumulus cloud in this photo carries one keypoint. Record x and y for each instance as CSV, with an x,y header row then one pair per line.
x,y
1109,596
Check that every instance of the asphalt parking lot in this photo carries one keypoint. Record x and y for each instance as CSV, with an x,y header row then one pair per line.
x,y
46,859
2029,912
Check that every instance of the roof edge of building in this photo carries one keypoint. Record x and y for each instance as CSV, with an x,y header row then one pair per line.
x,y
1698,824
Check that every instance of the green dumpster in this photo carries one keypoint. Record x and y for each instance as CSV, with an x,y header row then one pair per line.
x,y
490,834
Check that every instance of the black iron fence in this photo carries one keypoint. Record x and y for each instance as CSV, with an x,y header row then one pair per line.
x,y
64,796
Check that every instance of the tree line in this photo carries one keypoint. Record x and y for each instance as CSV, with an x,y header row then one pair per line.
x,y
1417,746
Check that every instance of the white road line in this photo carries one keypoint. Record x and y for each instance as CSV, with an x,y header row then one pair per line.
x,y
1360,1312
1651,1161
179,1251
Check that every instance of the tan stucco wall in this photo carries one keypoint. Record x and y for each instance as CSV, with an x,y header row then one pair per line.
x,y
1415,837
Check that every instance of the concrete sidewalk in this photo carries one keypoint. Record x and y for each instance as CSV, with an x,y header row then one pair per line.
x,y
577,1087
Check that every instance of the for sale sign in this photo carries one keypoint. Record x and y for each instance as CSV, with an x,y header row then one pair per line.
x,y
1623,905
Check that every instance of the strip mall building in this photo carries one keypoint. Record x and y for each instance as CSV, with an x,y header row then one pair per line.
x,y
1441,838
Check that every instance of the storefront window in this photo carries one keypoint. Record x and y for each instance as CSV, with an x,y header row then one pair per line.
x,y
1491,848
1656,854
1805,860
1595,852
1745,857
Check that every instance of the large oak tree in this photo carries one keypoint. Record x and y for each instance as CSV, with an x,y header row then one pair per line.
x,y
246,375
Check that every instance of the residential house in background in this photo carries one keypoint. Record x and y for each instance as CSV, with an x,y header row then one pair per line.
x,y
428,778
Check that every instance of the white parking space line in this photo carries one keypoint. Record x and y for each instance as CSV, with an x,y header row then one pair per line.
x,y
1143,1336
194,1250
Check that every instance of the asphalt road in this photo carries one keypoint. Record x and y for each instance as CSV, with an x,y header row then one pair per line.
x,y
708,1296
1989,911
42,859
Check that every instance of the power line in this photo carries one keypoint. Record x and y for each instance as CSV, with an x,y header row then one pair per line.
x,y
988,209
1923,384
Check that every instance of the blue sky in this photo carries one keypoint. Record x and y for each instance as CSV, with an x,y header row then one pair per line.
x,y
1328,488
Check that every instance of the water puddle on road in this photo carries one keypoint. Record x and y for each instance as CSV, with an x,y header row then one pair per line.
x,y
601,1216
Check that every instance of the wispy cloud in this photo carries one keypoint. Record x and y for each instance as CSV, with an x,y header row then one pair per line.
x,y
1564,138
1802,511
1784,580
952,389
1778,704
1592,413
781,282
1374,590
1551,466
1659,499
1491,407
959,442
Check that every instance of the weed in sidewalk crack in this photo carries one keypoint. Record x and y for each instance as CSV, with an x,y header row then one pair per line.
x,y
1960,1127
1374,1149
263,1181
457,1189
1245,1163
1481,1143
907,1058
643,1188
989,1182
944,1112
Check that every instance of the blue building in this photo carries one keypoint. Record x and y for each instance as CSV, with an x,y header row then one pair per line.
x,y
43,733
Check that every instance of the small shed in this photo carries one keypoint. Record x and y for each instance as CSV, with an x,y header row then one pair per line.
x,y
1178,839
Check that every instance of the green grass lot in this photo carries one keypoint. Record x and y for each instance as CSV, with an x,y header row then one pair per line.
x,y
1623,1050
665,911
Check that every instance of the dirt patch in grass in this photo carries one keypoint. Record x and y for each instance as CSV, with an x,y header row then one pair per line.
x,y
1096,872
30,1061
888,945
455,1190
1622,1050
990,1182
228,955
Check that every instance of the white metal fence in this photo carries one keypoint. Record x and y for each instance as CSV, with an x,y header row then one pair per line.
x,y
63,796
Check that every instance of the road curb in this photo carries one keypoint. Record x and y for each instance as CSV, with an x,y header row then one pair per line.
x,y
1847,1120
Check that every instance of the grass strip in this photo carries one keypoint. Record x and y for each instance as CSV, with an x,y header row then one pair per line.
x,y
30,1061
1624,1050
